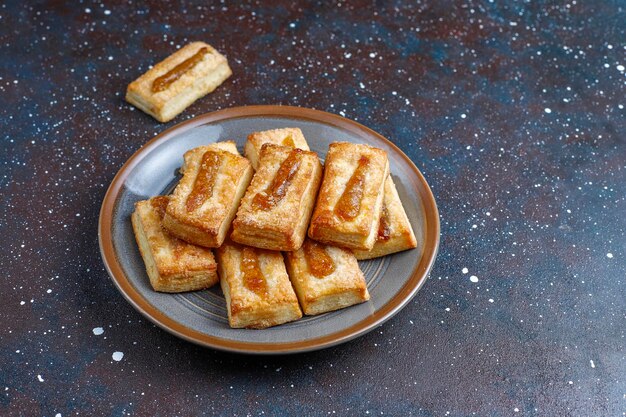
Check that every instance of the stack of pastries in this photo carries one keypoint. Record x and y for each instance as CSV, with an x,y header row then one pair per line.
x,y
280,232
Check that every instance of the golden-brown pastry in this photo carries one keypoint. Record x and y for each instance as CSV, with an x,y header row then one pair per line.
x,y
172,265
275,211
325,278
289,136
192,154
394,230
176,82
205,200
351,195
256,287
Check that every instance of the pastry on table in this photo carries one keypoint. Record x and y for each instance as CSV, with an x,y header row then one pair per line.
x,y
256,287
288,136
172,264
205,200
325,278
350,199
175,83
394,230
275,211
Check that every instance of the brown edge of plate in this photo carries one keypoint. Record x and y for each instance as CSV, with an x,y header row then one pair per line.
x,y
406,293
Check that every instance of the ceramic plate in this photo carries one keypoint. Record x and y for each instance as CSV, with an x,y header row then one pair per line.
x,y
200,317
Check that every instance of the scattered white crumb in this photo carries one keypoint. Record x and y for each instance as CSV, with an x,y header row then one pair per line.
x,y
570,382
593,365
516,410
117,356
474,278
548,110
609,255
463,116
40,378
98,331
491,300
465,270
620,68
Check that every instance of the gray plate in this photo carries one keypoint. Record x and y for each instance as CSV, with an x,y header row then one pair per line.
x,y
201,316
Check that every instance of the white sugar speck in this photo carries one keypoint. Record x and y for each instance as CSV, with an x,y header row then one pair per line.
x,y
570,382
609,255
98,331
463,116
57,415
548,110
593,365
292,25
474,278
516,410
48,290
39,378
372,54
491,300
117,356
465,270
22,303
87,10
620,68
107,12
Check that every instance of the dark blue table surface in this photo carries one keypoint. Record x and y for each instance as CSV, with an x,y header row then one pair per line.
x,y
514,112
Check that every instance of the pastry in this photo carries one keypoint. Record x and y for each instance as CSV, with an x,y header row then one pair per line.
x,y
394,230
275,211
325,278
205,200
289,136
256,287
175,83
348,206
172,265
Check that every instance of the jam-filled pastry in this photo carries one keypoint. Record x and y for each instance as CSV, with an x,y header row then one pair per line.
x,y
175,83
325,278
256,287
394,230
275,211
172,264
289,136
348,206
205,200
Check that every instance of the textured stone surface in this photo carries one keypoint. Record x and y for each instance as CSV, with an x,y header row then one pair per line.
x,y
514,113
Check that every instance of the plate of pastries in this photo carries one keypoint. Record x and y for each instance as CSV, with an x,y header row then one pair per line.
x,y
269,229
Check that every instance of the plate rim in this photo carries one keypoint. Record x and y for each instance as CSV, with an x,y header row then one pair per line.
x,y
384,313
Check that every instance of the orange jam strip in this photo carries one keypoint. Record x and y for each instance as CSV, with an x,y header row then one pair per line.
x,y
268,199
288,141
205,180
384,230
319,262
349,204
253,278
165,80
160,204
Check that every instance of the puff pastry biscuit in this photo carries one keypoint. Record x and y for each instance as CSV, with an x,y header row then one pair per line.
x,y
348,206
205,200
256,287
394,230
325,278
176,82
275,211
172,265
289,136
